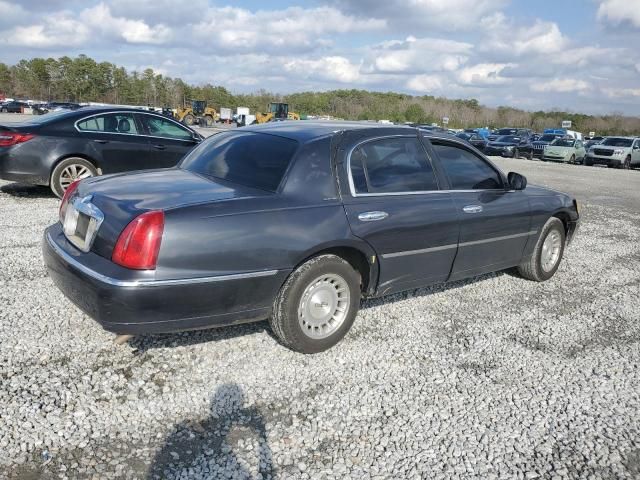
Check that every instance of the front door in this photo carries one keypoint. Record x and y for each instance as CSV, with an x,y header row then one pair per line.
x,y
168,141
394,204
495,223
117,140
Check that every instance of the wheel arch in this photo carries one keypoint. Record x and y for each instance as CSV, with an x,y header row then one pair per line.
x,y
83,156
360,256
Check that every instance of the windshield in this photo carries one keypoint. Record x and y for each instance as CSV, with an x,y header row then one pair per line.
x,y
255,160
508,139
617,142
563,142
548,138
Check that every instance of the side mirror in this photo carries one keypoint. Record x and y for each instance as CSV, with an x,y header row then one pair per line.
x,y
196,138
517,181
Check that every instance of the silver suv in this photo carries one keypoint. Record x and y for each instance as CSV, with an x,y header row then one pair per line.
x,y
621,152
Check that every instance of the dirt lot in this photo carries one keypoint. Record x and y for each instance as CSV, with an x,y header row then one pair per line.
x,y
494,377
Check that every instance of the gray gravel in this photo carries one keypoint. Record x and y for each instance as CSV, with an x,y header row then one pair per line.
x,y
494,377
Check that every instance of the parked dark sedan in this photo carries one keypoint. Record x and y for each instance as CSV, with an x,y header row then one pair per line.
x,y
518,132
510,146
60,147
15,106
296,222
474,139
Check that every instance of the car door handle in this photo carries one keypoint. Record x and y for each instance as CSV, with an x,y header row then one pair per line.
x,y
472,209
159,147
101,141
372,216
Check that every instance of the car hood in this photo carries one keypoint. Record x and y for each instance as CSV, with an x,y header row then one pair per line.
x,y
558,150
502,144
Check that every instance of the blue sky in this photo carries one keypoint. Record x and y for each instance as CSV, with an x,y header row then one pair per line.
x,y
578,55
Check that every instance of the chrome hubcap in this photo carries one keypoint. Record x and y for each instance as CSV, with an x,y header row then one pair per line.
x,y
324,306
72,173
551,251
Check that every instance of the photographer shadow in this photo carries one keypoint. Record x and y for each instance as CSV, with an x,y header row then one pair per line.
x,y
207,446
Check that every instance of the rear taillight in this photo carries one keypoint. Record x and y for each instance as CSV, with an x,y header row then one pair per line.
x,y
65,199
7,139
139,243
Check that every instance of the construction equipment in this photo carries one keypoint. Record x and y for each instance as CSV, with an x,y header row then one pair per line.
x,y
198,113
277,111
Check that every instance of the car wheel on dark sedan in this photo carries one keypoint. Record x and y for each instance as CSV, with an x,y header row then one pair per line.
x,y
317,304
547,253
516,153
68,171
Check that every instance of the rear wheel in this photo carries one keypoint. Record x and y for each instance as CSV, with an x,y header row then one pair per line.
x,y
317,304
208,121
68,171
547,253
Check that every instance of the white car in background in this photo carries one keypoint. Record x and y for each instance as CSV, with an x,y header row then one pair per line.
x,y
620,152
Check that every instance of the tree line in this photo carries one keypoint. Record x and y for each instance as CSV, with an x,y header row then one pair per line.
x,y
82,79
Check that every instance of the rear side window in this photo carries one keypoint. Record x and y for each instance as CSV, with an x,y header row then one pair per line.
x,y
159,127
255,160
109,123
465,170
391,165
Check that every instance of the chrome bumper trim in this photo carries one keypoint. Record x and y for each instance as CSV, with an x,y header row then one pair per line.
x,y
151,283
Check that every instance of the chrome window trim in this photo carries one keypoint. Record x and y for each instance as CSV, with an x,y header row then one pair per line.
x,y
75,124
354,194
151,283
454,245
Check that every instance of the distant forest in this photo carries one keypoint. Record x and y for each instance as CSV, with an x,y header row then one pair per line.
x,y
82,79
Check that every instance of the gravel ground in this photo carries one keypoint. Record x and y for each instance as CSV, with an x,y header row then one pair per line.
x,y
494,377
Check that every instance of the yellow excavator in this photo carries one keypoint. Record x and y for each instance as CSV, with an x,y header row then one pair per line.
x,y
198,113
277,111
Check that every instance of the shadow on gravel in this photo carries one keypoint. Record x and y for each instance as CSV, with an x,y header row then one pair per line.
x,y
142,343
32,191
218,446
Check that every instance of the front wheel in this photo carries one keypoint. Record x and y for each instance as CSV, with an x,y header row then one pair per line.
x,y
317,304
572,160
547,253
531,155
189,119
627,163
68,171
208,121
516,153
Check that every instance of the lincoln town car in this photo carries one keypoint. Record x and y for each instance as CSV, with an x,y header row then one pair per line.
x,y
296,222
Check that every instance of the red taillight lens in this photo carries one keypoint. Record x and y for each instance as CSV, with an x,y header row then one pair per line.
x,y
139,243
65,199
7,139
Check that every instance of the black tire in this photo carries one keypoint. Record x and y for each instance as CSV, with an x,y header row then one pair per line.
x,y
532,269
588,163
516,153
57,183
284,319
530,157
189,119
627,163
573,159
208,121
4,110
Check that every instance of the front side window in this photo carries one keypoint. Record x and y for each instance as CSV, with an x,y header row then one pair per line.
x,y
465,170
160,127
255,160
109,123
392,165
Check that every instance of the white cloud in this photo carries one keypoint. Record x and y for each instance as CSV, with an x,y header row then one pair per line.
x,y
132,31
621,92
505,36
561,85
57,30
425,83
338,69
620,11
484,74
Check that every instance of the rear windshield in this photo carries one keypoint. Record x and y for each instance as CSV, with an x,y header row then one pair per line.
x,y
617,142
507,131
255,160
508,139
47,117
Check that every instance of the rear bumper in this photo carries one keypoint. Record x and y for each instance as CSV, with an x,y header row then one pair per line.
x,y
23,168
127,306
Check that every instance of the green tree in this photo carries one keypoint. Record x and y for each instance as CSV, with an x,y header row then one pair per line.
x,y
415,113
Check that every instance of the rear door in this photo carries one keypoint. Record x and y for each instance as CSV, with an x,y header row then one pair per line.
x,y
394,203
635,152
117,140
168,140
494,221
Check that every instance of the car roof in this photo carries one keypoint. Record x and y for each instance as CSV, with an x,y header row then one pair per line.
x,y
305,130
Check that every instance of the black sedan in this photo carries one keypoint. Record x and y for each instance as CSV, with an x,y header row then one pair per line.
x,y
474,139
14,106
510,146
296,222
58,148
